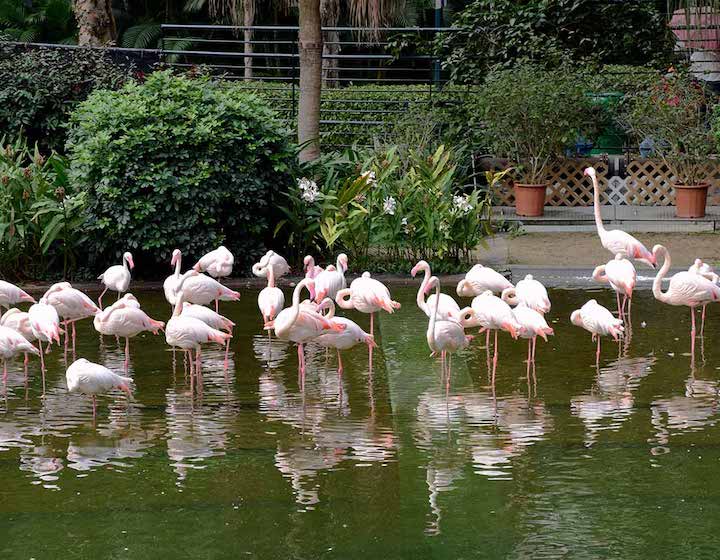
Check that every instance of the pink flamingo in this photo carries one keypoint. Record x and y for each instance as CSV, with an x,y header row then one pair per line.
x,y
528,293
19,321
532,324
92,379
218,263
620,274
45,325
367,295
447,308
331,280
72,305
300,323
281,266
189,333
480,279
271,299
350,336
615,240
686,288
203,290
11,295
171,282
13,343
117,277
310,268
124,318
444,337
598,321
212,319
706,271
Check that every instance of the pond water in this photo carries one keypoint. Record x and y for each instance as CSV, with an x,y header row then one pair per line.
x,y
619,461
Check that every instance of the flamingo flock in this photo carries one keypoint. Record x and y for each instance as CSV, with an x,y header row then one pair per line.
x,y
497,306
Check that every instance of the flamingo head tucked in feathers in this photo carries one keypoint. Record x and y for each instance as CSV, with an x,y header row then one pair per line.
x,y
576,318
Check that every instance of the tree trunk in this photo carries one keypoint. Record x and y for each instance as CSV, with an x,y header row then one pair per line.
x,y
248,21
310,48
95,21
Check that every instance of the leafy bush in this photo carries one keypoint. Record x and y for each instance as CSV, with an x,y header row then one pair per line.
x,y
395,205
47,21
40,216
39,88
504,32
177,162
675,112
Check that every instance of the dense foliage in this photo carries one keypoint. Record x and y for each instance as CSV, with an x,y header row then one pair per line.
x,y
177,162
392,206
40,215
39,88
503,32
46,21
674,113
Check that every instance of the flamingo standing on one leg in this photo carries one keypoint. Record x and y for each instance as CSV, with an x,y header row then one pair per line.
x,y
92,379
217,263
11,295
171,283
271,299
481,278
367,295
203,290
443,336
45,325
125,318
278,261
447,308
345,339
331,280
13,343
620,274
706,271
598,321
212,319
615,240
528,293
686,288
19,321
117,277
532,324
72,305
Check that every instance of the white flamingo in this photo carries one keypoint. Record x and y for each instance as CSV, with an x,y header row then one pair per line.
x,y
203,290
72,305
218,263
598,321
11,295
706,271
93,379
212,319
171,283
13,343
19,321
331,280
615,240
281,266
271,299
350,336
45,326
622,277
480,279
311,269
117,277
528,293
532,324
447,308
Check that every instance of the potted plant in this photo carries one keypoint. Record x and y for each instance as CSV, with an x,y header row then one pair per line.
x,y
529,115
674,112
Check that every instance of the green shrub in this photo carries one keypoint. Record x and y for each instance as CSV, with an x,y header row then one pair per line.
x,y
177,162
40,217
39,88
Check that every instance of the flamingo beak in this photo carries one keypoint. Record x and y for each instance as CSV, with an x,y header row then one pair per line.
x,y
131,263
414,271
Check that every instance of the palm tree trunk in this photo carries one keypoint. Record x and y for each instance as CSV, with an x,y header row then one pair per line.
x,y
248,21
310,48
95,21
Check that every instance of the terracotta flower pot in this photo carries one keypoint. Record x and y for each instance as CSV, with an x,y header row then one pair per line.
x,y
529,199
690,200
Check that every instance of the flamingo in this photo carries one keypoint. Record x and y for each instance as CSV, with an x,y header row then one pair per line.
x,y
300,324
13,343
117,277
686,288
480,279
278,261
615,240
93,379
598,321
19,321
203,290
620,274
72,305
443,336
528,293
45,326
189,333
331,280
447,308
212,319
532,324
217,263
125,318
310,268
171,282
706,271
345,339
493,314
271,299
11,295
367,295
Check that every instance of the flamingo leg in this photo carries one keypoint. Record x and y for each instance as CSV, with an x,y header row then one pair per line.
x,y
495,354
101,296
25,364
188,354
702,324
74,334
534,346
597,354
487,338
198,368
4,373
42,365
301,361
372,333
217,306
340,364
692,332
620,311
65,326
529,358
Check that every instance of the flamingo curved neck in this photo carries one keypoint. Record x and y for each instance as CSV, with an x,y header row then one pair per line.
x,y
433,315
596,204
421,290
179,300
657,283
271,276
178,265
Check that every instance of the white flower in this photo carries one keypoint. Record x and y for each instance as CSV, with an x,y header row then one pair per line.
x,y
389,205
369,177
461,204
406,227
443,226
309,190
